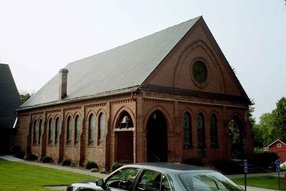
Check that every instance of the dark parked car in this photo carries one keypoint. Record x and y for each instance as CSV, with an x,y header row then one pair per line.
x,y
160,177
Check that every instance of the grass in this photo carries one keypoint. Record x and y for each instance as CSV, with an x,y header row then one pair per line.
x,y
269,182
18,176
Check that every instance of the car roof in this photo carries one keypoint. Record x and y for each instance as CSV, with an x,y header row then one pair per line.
x,y
167,167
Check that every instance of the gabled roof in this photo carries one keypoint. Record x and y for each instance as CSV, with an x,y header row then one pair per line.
x,y
122,69
274,142
9,98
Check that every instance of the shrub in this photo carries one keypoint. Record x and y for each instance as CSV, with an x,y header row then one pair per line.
x,y
115,166
90,164
265,159
32,157
47,159
66,162
228,166
17,152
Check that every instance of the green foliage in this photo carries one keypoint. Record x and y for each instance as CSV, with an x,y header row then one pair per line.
x,y
17,152
47,159
31,157
272,126
24,96
67,162
90,165
115,166
19,176
228,166
265,159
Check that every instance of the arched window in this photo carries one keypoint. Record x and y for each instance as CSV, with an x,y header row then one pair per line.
x,y
213,129
57,130
187,130
77,130
201,131
91,129
40,132
101,127
69,130
35,131
50,133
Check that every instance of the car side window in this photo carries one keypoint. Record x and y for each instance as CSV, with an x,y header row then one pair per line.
x,y
152,181
122,179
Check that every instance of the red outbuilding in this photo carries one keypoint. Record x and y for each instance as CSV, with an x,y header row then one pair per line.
x,y
278,147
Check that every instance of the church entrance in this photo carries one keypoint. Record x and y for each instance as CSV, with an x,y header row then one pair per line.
x,y
157,138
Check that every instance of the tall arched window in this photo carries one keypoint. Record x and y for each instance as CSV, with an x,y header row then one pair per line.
x,y
91,129
213,129
50,131
57,130
187,130
101,126
201,131
77,130
35,130
69,130
40,132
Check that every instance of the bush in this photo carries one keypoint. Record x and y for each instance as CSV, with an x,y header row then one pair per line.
x,y
17,152
32,157
228,166
90,164
265,159
116,165
66,162
47,159
194,161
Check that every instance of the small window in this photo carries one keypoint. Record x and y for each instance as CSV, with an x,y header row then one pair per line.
x,y
279,145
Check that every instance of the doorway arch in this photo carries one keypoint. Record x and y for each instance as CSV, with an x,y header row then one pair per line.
x,y
157,138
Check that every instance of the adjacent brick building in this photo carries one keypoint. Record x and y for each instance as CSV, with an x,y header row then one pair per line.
x,y
169,96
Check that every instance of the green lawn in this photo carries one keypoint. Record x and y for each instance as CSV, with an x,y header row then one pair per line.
x,y
17,176
269,182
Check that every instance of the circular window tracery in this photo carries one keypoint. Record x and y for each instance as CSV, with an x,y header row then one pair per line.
x,y
199,72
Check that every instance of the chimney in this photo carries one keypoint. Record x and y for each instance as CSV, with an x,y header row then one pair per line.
x,y
63,83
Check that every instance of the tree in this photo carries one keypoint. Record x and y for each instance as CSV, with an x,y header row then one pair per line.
x,y
280,117
272,125
24,96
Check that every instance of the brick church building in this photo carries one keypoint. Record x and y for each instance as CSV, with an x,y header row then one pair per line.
x,y
169,96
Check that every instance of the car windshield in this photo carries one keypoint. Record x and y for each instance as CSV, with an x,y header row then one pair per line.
x,y
207,181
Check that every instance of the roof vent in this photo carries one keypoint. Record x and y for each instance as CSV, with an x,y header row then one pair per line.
x,y
63,83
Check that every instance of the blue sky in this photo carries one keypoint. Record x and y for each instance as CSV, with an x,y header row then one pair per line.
x,y
38,38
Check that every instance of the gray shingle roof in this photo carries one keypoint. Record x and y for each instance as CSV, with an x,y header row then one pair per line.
x,y
121,69
9,97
